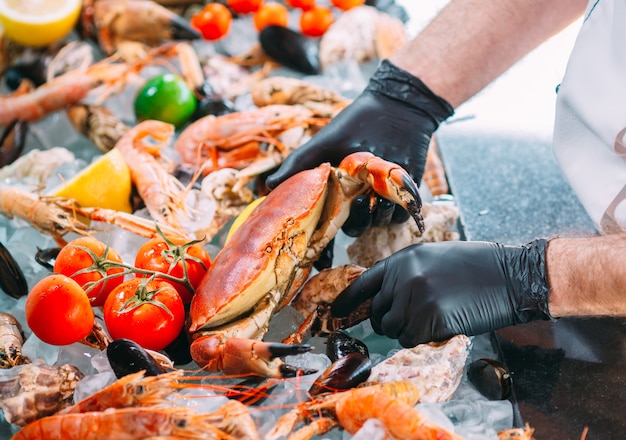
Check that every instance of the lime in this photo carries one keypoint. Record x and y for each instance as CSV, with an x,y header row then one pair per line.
x,y
38,22
166,98
105,183
243,216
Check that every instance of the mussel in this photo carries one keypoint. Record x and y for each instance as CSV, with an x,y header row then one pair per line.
x,y
47,257
291,49
340,344
343,374
127,357
12,141
12,279
491,378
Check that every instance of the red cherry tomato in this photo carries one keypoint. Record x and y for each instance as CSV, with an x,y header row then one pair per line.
x,y
58,311
175,258
271,13
344,5
316,21
149,312
244,6
301,4
92,264
213,21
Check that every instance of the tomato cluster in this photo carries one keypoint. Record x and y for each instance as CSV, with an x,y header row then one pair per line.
x,y
144,302
214,20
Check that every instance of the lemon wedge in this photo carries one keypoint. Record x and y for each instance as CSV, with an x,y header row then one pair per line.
x,y
38,23
243,216
105,183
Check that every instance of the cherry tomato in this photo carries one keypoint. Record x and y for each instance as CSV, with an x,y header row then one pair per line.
x,y
244,6
213,21
167,98
147,311
316,21
58,311
174,257
344,5
271,13
301,4
92,264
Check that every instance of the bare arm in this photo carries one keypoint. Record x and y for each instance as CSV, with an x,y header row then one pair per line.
x,y
471,42
587,276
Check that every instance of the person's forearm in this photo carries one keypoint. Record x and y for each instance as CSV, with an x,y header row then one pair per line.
x,y
471,42
587,276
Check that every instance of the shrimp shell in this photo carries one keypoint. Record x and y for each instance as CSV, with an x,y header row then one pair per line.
x,y
123,424
399,417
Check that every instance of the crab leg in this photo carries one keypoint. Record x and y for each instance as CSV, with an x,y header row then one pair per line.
x,y
244,356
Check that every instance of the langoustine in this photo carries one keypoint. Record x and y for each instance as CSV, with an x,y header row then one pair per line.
x,y
11,341
350,409
237,139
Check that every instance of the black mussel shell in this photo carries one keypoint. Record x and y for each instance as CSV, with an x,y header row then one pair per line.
x,y
339,344
12,141
34,72
291,49
12,279
343,374
491,378
179,350
47,257
213,106
127,357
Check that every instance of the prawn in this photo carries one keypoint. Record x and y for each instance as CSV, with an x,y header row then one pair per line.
x,y
400,418
122,424
11,340
321,411
30,105
132,390
210,138
57,216
162,193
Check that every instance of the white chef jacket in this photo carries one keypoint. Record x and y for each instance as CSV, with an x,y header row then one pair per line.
x,y
590,124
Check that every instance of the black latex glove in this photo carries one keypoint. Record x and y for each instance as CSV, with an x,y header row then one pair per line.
x,y
394,118
433,291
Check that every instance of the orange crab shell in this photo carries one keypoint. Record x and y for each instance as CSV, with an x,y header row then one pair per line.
x,y
278,230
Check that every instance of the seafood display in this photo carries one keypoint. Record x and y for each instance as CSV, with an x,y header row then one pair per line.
x,y
260,356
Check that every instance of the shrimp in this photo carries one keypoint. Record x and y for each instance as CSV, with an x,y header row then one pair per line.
x,y
49,215
59,92
401,419
98,124
11,340
129,391
122,424
57,216
290,91
208,141
162,192
322,410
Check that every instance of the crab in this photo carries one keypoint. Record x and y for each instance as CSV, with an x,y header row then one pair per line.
x,y
270,256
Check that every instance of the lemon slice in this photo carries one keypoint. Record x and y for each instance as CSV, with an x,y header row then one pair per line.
x,y
242,217
105,183
38,22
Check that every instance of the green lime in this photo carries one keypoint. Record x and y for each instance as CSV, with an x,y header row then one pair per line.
x,y
166,98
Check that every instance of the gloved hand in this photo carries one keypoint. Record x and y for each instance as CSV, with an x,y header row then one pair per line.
x,y
433,291
394,118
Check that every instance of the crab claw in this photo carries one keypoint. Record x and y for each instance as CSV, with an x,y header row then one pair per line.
x,y
386,179
246,356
